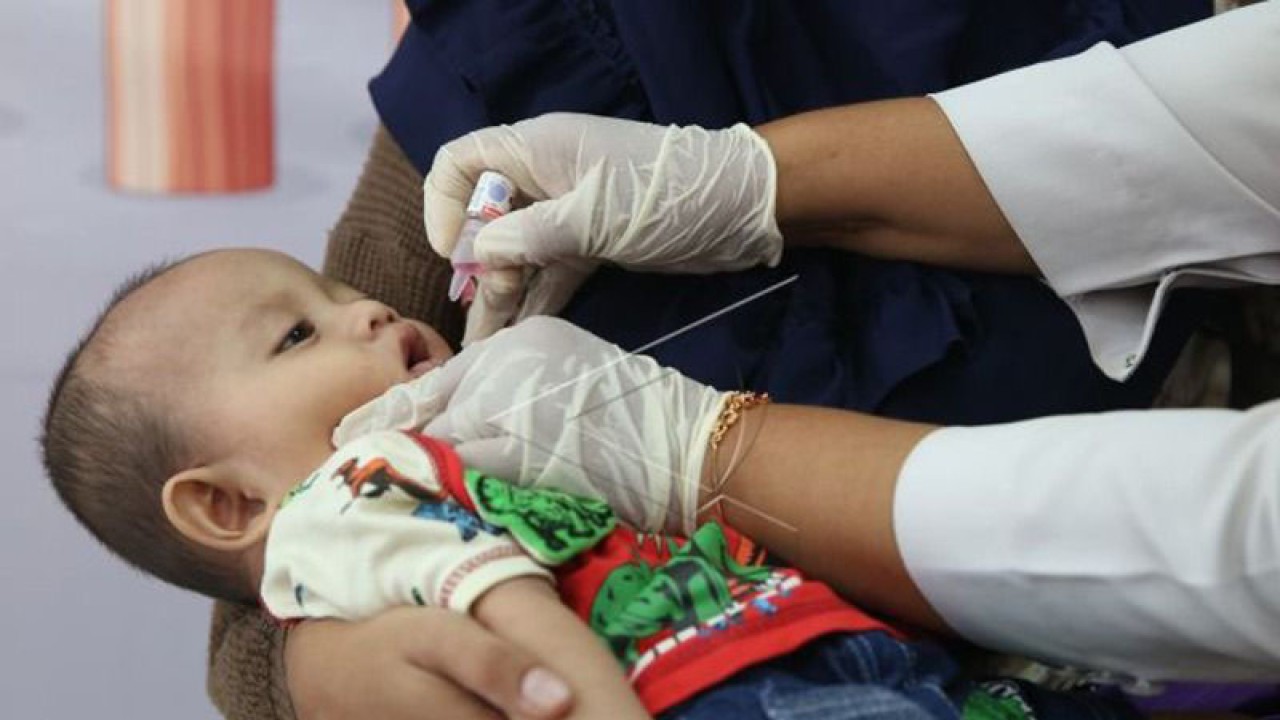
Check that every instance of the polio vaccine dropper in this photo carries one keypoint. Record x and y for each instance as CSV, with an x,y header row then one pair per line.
x,y
490,200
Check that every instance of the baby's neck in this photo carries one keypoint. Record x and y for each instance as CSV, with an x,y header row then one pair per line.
x,y
252,564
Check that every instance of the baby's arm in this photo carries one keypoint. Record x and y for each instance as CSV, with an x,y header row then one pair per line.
x,y
527,611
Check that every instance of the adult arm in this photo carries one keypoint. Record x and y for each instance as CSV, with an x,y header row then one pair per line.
x,y
890,179
429,662
414,663
1117,173
1170,144
1145,543
410,659
817,486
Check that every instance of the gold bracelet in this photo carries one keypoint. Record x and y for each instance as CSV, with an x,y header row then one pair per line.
x,y
734,408
738,403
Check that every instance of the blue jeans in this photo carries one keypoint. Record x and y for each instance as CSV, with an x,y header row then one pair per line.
x,y
873,676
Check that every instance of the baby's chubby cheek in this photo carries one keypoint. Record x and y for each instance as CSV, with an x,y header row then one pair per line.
x,y
287,453
364,379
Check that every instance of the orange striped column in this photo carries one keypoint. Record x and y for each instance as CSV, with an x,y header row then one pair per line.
x,y
189,95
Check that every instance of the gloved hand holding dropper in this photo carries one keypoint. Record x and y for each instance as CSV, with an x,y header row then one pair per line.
x,y
645,197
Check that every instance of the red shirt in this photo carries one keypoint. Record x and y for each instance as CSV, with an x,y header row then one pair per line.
x,y
684,614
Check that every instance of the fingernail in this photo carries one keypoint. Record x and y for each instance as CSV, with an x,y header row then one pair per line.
x,y
543,690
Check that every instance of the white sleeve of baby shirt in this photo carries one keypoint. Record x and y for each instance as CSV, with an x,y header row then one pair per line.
x,y
1143,542
1127,172
374,528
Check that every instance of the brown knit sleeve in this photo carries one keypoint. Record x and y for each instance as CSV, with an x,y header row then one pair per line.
x,y
246,678
379,247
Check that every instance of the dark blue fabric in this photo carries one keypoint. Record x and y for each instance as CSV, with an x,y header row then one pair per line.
x,y
894,338
838,677
873,676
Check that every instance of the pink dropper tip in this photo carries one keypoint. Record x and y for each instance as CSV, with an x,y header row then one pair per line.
x,y
462,287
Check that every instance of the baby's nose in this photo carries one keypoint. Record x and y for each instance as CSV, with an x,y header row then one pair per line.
x,y
373,315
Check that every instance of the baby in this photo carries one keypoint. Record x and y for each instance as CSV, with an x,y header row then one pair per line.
x,y
185,433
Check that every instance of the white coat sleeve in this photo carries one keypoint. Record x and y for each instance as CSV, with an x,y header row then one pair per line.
x,y
1144,542
1127,172
375,528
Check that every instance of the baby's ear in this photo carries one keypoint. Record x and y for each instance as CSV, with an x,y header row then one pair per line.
x,y
211,507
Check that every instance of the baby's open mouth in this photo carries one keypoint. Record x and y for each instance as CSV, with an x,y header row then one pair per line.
x,y
417,358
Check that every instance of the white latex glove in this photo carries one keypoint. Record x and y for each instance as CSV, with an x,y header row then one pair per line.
x,y
545,403
646,197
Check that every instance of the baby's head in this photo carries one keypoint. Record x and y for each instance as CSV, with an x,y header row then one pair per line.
x,y
207,389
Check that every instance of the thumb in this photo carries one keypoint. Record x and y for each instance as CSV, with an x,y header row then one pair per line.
x,y
540,234
476,661
495,303
500,457
552,287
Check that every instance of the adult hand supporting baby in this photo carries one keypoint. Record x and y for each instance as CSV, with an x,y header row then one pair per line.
x,y
551,404
416,663
645,197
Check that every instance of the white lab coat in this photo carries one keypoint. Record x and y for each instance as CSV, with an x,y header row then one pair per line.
x,y
1128,172
1146,543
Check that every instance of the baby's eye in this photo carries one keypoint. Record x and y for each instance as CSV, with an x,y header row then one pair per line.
x,y
296,335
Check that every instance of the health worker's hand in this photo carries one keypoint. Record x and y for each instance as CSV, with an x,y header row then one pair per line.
x,y
645,197
548,404
415,663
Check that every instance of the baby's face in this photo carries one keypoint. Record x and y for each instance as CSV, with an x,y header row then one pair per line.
x,y
266,356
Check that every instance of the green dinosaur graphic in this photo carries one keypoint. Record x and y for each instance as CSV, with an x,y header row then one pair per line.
x,y
997,700
690,589
550,525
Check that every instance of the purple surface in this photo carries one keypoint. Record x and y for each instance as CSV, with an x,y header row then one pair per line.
x,y
1258,700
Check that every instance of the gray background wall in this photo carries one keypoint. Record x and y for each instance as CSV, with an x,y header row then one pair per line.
x,y
81,636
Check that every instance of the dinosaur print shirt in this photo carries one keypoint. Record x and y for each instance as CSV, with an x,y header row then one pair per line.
x,y
393,518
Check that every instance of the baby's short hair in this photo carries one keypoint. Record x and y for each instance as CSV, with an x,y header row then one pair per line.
x,y
109,447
